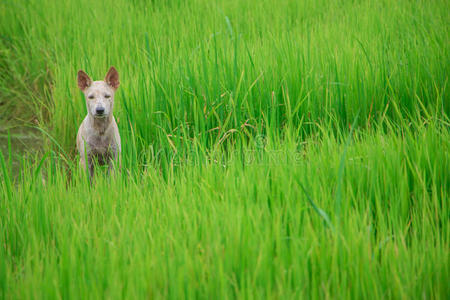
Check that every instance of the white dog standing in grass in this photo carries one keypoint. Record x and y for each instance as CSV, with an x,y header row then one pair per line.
x,y
98,138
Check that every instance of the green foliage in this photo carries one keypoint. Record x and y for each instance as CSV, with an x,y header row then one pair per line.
x,y
271,149
242,229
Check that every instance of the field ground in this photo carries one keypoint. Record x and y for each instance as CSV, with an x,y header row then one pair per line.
x,y
271,149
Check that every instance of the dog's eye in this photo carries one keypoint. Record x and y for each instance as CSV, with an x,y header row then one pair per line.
x,y
107,96
91,96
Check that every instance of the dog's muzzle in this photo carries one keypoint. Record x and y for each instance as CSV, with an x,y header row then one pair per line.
x,y
100,111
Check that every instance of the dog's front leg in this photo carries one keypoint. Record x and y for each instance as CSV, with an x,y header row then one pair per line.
x,y
111,167
83,163
91,167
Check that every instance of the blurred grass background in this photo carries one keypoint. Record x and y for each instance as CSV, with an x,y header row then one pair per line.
x,y
196,69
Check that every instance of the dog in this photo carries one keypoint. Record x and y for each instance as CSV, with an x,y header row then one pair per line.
x,y
98,138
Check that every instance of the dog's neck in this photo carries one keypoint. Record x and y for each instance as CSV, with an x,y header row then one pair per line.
x,y
100,124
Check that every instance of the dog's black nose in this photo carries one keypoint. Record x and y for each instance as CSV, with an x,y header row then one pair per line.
x,y
99,110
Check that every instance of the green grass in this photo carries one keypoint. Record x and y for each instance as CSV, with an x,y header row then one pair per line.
x,y
271,149
243,229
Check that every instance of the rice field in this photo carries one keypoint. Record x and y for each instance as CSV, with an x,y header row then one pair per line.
x,y
270,150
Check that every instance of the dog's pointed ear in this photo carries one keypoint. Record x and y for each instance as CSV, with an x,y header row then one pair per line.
x,y
112,78
84,81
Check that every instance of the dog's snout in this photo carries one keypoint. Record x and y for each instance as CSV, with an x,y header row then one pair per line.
x,y
100,110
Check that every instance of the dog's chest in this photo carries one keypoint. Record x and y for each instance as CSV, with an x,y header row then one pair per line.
x,y
102,145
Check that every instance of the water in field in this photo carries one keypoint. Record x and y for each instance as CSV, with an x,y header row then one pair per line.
x,y
24,141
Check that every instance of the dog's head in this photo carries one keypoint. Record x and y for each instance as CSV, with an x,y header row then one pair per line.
x,y
99,94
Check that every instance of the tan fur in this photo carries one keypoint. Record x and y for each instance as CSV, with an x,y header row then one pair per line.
x,y
98,136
